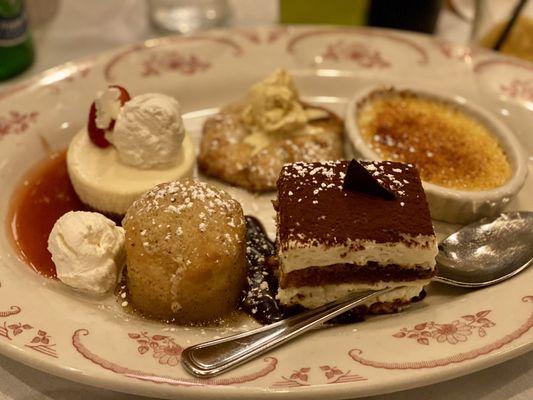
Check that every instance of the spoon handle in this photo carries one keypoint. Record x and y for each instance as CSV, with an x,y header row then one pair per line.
x,y
217,356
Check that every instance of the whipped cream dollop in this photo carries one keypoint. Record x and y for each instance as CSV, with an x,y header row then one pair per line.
x,y
273,105
88,251
148,131
108,107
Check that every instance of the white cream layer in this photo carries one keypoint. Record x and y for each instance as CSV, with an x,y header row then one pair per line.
x,y
420,254
315,296
106,184
88,251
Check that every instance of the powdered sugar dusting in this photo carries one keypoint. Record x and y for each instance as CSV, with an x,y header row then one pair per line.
x,y
210,199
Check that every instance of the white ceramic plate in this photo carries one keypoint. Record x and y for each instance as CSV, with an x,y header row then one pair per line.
x,y
451,333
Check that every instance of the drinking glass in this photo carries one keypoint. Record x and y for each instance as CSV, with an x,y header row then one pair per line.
x,y
187,16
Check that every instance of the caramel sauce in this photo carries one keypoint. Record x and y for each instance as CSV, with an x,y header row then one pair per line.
x,y
44,195
449,147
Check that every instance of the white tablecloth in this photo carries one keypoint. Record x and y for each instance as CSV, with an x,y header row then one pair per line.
x,y
103,24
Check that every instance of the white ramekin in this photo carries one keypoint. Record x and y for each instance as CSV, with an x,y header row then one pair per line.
x,y
450,205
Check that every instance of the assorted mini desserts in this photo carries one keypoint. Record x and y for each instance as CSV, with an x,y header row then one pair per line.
x,y
347,227
185,248
248,142
183,242
129,146
450,148
186,254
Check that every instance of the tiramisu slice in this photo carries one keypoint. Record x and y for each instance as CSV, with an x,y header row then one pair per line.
x,y
348,226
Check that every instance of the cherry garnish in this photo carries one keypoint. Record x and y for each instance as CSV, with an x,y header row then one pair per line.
x,y
97,135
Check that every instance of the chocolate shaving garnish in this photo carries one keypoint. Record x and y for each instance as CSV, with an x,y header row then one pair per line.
x,y
359,179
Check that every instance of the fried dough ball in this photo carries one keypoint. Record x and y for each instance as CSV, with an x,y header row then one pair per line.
x,y
185,247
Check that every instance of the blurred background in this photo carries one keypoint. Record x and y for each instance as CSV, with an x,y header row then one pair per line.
x,y
39,34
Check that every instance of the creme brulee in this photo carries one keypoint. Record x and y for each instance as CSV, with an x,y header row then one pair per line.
x,y
449,147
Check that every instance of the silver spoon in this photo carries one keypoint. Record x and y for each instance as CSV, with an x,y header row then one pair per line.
x,y
480,254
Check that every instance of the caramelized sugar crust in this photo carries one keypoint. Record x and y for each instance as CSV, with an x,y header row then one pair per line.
x,y
449,147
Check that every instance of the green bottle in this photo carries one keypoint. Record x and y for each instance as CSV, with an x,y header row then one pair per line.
x,y
16,46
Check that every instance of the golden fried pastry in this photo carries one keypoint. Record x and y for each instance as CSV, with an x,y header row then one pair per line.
x,y
185,248
247,143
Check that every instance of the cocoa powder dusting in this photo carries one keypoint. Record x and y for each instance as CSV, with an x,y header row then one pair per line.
x,y
313,207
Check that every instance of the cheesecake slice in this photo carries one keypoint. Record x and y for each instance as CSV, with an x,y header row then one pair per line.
x,y
346,227
109,186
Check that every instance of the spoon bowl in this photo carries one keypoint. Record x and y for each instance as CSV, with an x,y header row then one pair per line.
x,y
487,251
